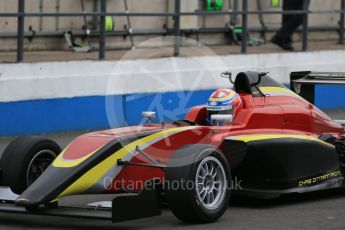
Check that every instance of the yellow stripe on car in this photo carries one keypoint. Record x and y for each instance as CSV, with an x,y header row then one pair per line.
x,y
260,137
277,91
90,178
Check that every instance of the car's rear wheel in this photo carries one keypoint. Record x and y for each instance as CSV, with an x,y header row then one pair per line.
x,y
197,184
25,159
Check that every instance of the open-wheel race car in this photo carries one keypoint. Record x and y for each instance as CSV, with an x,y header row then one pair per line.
x,y
278,143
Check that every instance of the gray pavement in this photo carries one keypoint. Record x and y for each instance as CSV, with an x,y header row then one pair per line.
x,y
145,53
320,210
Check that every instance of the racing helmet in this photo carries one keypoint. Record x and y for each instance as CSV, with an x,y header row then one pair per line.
x,y
223,101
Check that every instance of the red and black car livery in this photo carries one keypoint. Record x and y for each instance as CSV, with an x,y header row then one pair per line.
x,y
279,143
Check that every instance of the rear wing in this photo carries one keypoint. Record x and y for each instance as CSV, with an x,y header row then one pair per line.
x,y
303,83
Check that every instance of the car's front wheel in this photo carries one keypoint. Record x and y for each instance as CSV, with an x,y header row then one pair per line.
x,y
197,184
25,159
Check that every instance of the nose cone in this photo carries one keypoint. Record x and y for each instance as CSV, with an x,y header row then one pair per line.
x,y
47,187
56,179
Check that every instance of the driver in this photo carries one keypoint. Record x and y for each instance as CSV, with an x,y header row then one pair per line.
x,y
223,101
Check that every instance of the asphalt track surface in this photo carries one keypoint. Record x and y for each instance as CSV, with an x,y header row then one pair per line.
x,y
318,210
321,210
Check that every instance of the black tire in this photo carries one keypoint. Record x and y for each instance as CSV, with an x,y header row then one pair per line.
x,y
18,156
6,159
184,202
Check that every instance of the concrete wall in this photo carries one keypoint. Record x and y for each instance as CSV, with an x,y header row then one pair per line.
x,y
74,96
75,23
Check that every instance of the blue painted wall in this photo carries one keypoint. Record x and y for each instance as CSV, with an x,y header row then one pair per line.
x,y
90,113
54,115
168,106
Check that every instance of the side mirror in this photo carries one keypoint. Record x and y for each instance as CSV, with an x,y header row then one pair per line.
x,y
219,118
227,75
260,75
148,115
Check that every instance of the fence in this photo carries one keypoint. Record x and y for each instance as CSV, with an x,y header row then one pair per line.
x,y
245,13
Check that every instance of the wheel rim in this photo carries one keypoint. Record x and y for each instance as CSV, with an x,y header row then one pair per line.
x,y
39,164
211,183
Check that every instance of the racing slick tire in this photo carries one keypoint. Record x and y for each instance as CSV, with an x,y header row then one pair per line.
x,y
25,159
197,184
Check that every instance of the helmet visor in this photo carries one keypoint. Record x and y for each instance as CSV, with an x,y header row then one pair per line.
x,y
219,110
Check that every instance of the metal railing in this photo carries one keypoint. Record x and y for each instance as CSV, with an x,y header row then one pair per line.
x,y
245,13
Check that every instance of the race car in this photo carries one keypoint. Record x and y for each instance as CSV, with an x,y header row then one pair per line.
x,y
273,142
